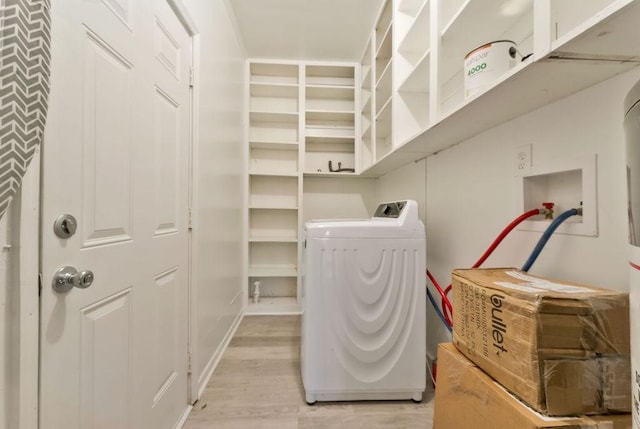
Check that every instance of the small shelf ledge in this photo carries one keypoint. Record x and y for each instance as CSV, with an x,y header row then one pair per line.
x,y
259,116
366,76
418,79
384,47
273,145
333,135
273,271
264,89
385,75
328,174
271,207
273,306
383,110
330,115
335,92
417,38
272,239
274,173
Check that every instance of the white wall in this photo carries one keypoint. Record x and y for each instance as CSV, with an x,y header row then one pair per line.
x,y
218,217
471,193
336,198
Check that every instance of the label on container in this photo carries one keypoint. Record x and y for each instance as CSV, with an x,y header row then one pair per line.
x,y
543,285
486,64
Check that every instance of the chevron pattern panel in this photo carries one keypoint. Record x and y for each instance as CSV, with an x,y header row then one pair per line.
x,y
25,55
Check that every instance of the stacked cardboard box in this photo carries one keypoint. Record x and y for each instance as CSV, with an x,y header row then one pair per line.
x,y
562,348
466,397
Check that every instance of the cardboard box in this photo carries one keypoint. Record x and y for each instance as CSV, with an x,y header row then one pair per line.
x,y
466,397
510,323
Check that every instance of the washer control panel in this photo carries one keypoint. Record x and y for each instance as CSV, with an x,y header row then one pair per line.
x,y
390,209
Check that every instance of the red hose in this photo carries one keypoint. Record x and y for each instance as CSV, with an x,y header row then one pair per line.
x,y
504,233
447,309
446,304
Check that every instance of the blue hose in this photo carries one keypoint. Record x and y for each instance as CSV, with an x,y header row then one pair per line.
x,y
545,237
435,306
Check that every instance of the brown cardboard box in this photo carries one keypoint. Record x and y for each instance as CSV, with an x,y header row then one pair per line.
x,y
509,323
466,397
616,373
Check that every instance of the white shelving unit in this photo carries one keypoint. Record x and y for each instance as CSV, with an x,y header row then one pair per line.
x,y
383,81
412,68
367,114
301,116
330,115
573,44
274,188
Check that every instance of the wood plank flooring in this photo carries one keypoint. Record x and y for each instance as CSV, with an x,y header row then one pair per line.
x,y
257,384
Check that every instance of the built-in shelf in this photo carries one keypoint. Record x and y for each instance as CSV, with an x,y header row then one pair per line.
x,y
274,73
410,7
469,30
267,239
288,117
329,174
366,100
274,173
271,207
418,79
263,89
273,271
330,115
330,92
366,75
336,134
573,50
273,145
365,126
302,116
416,40
385,110
384,78
273,306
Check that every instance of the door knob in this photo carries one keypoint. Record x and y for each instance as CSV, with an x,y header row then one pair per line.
x,y
67,278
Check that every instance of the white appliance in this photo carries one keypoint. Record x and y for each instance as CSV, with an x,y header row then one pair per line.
x,y
364,299
632,130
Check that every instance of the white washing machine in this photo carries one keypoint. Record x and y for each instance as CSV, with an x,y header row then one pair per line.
x,y
364,302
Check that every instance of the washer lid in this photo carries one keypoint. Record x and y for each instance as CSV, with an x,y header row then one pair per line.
x,y
405,225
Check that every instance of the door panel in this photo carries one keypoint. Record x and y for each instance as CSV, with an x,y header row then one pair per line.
x,y
107,148
105,329
167,153
114,355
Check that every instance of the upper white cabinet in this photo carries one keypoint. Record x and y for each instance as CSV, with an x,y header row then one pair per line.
x,y
567,45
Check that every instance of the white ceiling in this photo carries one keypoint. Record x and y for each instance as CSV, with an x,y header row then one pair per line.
x,y
305,29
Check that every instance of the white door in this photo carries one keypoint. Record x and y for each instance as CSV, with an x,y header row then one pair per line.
x,y
116,157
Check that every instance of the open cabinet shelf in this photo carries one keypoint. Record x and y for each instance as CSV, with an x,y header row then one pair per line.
x,y
574,45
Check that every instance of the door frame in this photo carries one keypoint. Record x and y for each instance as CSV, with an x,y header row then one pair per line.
x,y
188,23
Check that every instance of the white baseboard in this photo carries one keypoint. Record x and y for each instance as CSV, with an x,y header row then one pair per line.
x,y
217,355
183,418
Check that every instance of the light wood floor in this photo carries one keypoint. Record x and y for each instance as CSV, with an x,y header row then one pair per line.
x,y
258,385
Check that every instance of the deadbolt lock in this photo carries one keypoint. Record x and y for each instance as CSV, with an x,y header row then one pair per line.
x,y
65,226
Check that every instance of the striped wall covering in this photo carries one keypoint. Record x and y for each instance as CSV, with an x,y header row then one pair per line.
x,y
25,41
